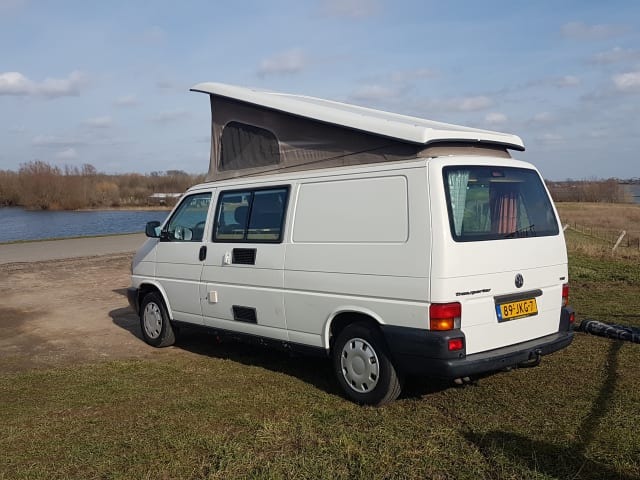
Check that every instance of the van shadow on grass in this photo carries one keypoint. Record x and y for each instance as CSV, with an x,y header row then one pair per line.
x,y
556,461
313,370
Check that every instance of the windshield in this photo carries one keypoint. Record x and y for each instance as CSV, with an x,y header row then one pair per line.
x,y
495,203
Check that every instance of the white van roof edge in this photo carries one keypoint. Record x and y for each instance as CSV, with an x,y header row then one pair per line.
x,y
402,127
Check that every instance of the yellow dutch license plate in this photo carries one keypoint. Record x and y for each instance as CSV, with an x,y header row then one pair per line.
x,y
519,309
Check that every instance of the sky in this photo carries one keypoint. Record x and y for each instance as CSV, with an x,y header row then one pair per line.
x,y
107,83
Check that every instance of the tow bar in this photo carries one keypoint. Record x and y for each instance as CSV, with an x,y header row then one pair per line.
x,y
534,359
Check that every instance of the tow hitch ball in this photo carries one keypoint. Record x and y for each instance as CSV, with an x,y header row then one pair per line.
x,y
534,359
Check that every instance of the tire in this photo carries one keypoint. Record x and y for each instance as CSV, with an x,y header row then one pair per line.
x,y
154,321
363,366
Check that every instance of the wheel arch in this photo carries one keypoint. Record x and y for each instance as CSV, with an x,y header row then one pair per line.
x,y
346,316
151,286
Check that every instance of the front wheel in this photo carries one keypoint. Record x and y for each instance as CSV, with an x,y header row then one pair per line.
x,y
363,366
154,321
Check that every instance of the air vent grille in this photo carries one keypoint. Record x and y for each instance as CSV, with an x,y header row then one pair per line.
x,y
244,256
244,314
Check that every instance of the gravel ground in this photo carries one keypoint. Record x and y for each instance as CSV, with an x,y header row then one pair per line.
x,y
70,310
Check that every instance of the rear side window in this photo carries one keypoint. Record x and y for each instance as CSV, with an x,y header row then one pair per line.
x,y
247,146
251,215
494,203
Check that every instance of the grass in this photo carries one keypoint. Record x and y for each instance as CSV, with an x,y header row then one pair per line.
x,y
204,410
607,216
605,220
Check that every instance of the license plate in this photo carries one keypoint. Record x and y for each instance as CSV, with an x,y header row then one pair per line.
x,y
513,310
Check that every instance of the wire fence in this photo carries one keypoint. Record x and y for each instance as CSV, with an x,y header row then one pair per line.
x,y
615,238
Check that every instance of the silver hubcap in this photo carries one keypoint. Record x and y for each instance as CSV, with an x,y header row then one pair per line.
x,y
152,320
360,366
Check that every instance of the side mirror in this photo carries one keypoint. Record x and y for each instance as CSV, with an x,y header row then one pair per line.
x,y
152,230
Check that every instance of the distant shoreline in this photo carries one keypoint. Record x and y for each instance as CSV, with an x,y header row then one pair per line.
x,y
98,209
58,249
55,239
130,209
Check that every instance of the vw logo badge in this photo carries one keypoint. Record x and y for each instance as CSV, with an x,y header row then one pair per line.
x,y
519,281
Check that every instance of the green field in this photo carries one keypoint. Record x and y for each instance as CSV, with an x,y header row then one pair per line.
x,y
237,411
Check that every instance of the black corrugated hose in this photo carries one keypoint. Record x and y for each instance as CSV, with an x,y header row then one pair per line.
x,y
610,330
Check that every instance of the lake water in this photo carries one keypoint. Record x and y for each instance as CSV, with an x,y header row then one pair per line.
x,y
634,191
20,224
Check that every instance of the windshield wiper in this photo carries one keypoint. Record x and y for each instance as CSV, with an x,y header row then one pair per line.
x,y
529,231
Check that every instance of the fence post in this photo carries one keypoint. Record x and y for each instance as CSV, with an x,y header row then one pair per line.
x,y
622,234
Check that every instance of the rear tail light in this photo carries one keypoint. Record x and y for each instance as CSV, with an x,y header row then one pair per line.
x,y
565,294
443,316
456,344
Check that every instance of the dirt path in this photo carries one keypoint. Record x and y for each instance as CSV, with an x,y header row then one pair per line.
x,y
69,248
63,312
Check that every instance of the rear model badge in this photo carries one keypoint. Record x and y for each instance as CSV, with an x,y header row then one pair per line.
x,y
519,281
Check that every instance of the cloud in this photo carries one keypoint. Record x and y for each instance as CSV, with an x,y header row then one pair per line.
x,y
170,116
550,138
582,31
600,133
627,82
54,141
615,55
15,83
126,101
467,104
542,118
285,63
99,122
165,85
67,154
391,85
17,129
351,8
495,118
374,92
567,81
413,75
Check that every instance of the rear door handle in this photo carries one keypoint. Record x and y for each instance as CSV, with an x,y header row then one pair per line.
x,y
203,253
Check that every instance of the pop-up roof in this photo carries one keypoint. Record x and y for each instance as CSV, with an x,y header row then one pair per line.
x,y
257,132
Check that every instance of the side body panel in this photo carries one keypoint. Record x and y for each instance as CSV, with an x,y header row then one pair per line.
x,y
359,243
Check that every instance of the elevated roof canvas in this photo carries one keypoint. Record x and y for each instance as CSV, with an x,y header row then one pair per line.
x,y
402,127
256,132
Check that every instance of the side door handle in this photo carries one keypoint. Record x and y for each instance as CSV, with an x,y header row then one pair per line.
x,y
203,253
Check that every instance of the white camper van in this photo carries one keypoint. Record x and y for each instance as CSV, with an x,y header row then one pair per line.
x,y
394,245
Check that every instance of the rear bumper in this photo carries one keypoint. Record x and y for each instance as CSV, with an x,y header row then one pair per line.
x,y
423,352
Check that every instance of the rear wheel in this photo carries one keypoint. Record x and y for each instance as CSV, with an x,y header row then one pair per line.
x,y
363,366
154,321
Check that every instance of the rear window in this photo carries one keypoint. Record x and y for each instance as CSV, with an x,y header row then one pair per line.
x,y
495,203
